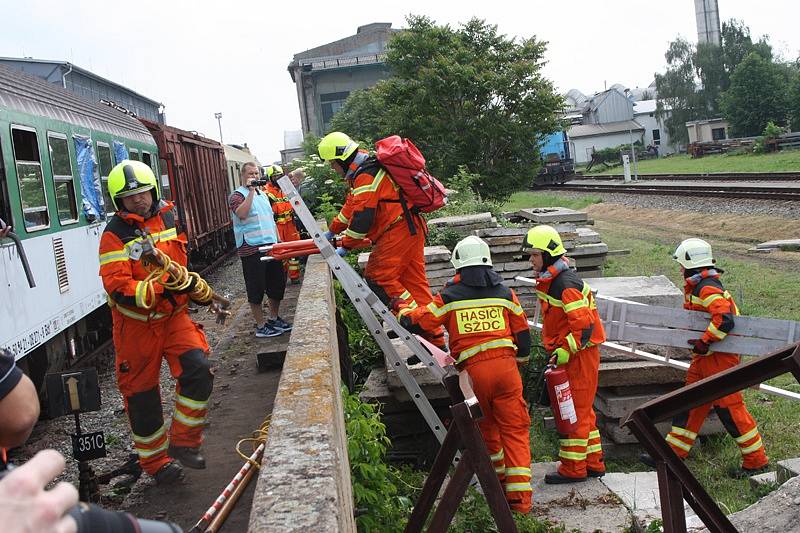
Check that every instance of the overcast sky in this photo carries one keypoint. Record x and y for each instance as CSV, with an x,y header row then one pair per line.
x,y
232,56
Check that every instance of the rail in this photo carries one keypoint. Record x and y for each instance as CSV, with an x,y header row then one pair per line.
x,y
304,483
675,481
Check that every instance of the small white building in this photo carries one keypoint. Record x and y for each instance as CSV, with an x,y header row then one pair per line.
x,y
715,129
655,131
588,137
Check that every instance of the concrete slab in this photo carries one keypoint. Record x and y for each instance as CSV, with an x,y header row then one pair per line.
x,y
585,507
787,469
617,406
610,428
639,493
767,478
787,245
549,215
461,220
777,512
651,290
625,373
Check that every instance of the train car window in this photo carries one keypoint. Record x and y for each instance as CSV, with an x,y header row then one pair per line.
x,y
146,159
29,174
105,164
66,203
166,190
5,203
134,155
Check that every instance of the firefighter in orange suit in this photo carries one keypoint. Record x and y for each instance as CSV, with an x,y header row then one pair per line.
x,y
703,291
151,323
284,219
571,333
373,212
489,335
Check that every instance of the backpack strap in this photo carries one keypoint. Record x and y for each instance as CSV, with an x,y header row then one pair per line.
x,y
372,163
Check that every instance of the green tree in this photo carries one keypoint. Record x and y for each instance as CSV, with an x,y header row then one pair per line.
x,y
363,114
679,100
794,102
757,95
468,97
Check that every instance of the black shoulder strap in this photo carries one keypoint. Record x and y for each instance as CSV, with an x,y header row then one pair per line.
x,y
124,231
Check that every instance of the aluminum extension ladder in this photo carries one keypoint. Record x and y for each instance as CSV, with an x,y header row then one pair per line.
x,y
374,313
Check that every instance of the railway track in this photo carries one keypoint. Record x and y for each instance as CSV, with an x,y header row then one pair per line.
x,y
717,191
720,176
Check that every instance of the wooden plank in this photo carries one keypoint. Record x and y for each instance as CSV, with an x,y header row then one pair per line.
x,y
631,332
652,315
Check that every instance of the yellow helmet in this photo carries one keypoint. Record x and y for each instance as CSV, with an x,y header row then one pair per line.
x,y
275,171
471,251
694,253
336,145
546,239
131,177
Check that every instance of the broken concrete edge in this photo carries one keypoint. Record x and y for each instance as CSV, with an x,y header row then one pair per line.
x,y
304,481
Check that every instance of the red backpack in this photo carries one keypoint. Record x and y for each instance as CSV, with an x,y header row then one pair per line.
x,y
404,162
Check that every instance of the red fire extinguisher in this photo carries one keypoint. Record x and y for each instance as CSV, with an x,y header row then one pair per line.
x,y
561,400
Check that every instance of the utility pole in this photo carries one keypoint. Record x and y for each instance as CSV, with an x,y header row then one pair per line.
x,y
218,116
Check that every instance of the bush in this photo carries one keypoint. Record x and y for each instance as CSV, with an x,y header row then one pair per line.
x,y
771,132
323,190
378,506
364,351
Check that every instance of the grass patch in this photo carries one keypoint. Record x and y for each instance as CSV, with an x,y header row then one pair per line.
x,y
760,290
523,199
785,161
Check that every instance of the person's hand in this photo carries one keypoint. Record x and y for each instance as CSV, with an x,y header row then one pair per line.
x,y
330,236
559,357
26,506
4,229
396,303
699,346
341,252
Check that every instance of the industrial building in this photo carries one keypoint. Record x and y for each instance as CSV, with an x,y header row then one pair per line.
x,y
326,75
89,86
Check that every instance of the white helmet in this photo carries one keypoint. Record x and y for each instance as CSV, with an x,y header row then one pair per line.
x,y
471,251
694,253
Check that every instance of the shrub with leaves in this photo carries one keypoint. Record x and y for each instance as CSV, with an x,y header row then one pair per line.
x,y
378,506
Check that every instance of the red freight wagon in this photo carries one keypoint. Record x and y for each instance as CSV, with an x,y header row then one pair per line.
x,y
194,177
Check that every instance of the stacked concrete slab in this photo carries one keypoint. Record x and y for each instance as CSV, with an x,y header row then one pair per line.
x,y
626,381
584,247
464,224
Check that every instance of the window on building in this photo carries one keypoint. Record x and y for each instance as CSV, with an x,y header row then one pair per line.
x,y
657,137
330,104
63,180
718,134
104,165
134,155
29,174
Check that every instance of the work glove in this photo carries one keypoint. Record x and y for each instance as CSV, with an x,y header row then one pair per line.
x,y
341,251
560,356
699,346
189,288
330,236
396,304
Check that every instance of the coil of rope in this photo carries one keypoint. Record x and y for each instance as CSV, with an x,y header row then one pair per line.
x,y
173,277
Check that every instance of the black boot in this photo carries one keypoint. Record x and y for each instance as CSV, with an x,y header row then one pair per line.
x,y
169,473
189,457
646,459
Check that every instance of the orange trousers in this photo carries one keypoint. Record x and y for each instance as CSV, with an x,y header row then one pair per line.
x,y
140,347
287,232
731,411
396,268
505,425
581,449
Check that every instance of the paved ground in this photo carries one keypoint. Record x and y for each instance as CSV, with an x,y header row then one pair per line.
x,y
242,399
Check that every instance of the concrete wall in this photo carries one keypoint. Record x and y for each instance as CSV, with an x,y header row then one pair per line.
x,y
701,131
649,122
304,484
583,145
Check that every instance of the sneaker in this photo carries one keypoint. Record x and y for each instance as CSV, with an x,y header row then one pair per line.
x,y
170,473
280,324
267,331
188,457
